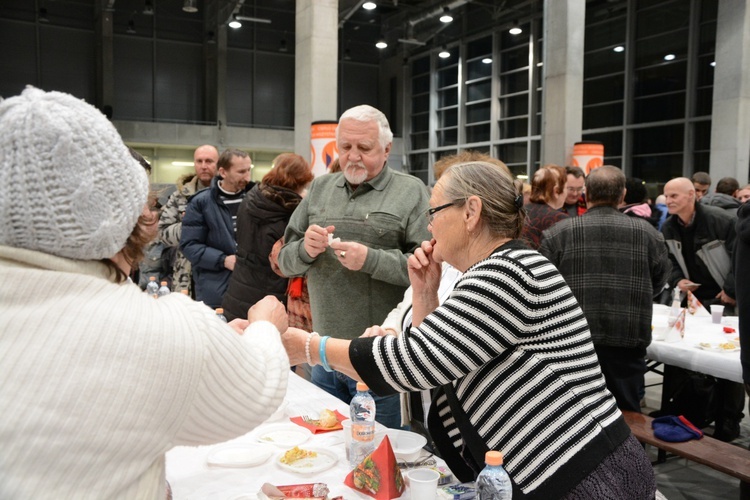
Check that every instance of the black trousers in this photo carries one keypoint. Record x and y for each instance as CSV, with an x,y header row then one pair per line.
x,y
623,370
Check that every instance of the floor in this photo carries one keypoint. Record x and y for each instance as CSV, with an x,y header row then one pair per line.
x,y
680,479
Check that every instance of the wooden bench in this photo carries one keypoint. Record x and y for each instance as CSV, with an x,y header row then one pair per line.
x,y
721,456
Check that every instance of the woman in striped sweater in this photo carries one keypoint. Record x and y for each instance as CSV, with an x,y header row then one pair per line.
x,y
512,343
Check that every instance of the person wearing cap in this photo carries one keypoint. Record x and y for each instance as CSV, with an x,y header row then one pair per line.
x,y
509,351
98,379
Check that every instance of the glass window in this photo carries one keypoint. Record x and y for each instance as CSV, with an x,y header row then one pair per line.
x,y
418,162
447,77
704,102
478,69
420,122
512,153
514,59
420,103
514,127
657,168
606,89
420,141
514,82
479,91
448,97
612,142
705,70
662,17
421,65
514,106
603,62
420,84
606,115
478,48
448,61
448,118
448,137
479,112
662,107
702,136
660,79
653,50
507,40
707,38
605,34
654,140
478,133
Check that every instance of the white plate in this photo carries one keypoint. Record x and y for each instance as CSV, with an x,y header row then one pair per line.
x,y
238,455
324,460
284,435
714,347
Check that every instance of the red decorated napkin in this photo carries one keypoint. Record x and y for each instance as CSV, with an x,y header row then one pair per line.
x,y
378,474
695,307
314,426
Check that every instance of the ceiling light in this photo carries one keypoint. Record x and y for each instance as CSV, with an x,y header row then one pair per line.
x,y
131,27
148,8
619,48
446,17
369,5
381,44
669,57
713,64
444,54
515,29
234,23
487,60
190,6
42,15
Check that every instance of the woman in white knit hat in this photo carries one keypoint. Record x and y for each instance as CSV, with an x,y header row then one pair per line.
x,y
97,379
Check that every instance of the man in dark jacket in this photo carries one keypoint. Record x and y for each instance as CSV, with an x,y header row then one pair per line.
x,y
210,225
701,242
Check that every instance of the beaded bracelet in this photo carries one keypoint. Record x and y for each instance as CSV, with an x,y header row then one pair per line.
x,y
307,347
322,353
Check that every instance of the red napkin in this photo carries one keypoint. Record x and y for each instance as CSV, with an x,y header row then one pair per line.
x,y
317,430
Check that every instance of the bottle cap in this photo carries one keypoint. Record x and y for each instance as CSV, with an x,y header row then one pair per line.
x,y
361,386
163,283
219,310
152,278
493,458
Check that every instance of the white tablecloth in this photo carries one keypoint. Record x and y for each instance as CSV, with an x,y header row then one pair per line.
x,y
192,478
685,354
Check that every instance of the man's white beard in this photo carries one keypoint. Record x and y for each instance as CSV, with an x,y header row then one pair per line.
x,y
355,173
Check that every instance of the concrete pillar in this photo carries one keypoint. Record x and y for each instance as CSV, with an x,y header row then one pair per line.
x,y
562,102
730,120
316,68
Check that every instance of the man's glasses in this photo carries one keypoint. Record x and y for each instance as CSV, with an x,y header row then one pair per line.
x,y
430,214
574,190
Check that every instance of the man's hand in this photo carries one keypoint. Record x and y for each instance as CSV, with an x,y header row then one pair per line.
x,y
230,261
378,331
352,255
686,285
269,309
726,299
316,239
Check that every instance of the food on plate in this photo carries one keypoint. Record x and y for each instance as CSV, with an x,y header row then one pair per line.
x,y
328,419
295,454
705,345
367,476
728,346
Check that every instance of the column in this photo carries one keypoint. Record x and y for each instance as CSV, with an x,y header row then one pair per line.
x,y
730,120
562,102
316,68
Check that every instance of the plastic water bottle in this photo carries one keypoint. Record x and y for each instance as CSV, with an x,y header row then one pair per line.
x,y
220,314
152,288
493,483
362,413
163,289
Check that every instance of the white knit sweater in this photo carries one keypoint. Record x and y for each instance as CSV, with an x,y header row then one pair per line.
x,y
98,380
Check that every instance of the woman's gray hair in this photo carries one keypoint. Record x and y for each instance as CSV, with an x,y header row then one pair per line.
x,y
365,113
492,185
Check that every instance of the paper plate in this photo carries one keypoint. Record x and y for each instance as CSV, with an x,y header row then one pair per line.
x,y
237,455
284,435
325,459
714,347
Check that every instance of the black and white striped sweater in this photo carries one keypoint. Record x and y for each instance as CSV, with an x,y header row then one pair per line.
x,y
517,348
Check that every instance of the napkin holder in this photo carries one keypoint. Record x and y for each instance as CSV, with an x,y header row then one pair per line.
x,y
378,475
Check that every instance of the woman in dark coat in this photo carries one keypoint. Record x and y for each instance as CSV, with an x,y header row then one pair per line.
x,y
261,221
546,200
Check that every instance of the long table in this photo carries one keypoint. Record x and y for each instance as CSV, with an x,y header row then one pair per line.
x,y
686,353
191,477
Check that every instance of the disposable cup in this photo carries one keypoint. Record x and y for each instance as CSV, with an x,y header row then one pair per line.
x,y
717,312
423,483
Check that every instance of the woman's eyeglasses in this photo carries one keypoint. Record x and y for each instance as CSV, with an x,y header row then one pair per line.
x,y
430,214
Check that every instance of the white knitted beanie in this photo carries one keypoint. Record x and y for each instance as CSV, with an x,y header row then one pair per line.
x,y
72,188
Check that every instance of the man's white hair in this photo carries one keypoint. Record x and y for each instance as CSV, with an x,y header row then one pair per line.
x,y
365,113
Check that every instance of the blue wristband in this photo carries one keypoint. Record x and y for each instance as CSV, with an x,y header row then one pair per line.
x,y
322,353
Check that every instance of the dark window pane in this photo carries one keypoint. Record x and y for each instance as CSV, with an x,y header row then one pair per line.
x,y
420,141
702,136
448,97
653,50
514,106
607,115
447,77
705,70
478,91
603,62
443,153
514,59
512,153
651,140
659,168
478,48
660,79
478,112
605,34
478,133
701,159
478,69
663,107
612,143
420,103
420,122
448,118
418,162
448,137
610,88
420,84
707,38
709,10
419,66
667,16
705,101
517,127
514,82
